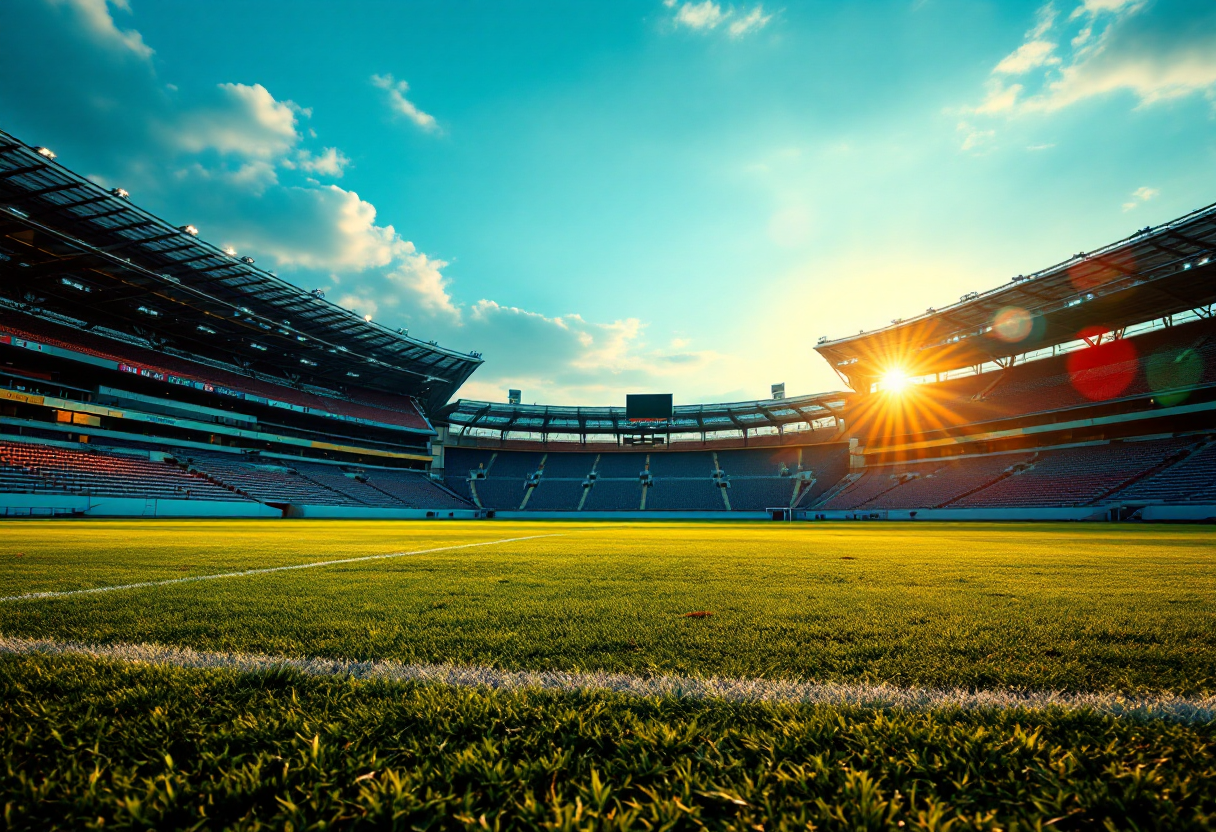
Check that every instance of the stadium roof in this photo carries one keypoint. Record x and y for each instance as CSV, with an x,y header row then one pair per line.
x,y
1152,274
697,418
77,248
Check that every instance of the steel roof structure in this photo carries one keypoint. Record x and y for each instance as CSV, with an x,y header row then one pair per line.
x,y
1152,274
698,418
74,247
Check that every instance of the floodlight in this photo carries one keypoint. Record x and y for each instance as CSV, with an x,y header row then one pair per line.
x,y
189,229
121,193
45,151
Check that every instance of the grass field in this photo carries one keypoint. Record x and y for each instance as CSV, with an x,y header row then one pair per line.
x,y
1078,608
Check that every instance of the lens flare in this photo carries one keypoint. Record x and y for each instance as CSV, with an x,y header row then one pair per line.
x,y
1105,371
1170,372
1012,324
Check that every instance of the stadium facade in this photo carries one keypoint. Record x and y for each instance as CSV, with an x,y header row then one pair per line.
x,y
145,372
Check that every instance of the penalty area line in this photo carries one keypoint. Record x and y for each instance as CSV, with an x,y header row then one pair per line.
x,y
1168,707
36,596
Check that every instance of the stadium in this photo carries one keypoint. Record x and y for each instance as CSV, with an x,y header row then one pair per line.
x,y
149,373
263,567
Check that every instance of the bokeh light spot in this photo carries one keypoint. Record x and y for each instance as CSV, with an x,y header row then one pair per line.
x,y
1105,371
1012,324
1169,370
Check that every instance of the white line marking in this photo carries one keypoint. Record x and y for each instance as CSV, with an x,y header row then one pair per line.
x,y
34,596
1169,707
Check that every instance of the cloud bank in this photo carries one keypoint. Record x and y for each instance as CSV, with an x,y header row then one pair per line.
x,y
242,165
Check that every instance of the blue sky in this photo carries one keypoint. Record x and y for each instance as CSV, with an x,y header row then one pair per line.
x,y
632,196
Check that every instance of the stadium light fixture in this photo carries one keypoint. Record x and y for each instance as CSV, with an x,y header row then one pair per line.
x,y
367,318
895,380
257,346
352,375
309,363
230,251
121,193
189,229
45,151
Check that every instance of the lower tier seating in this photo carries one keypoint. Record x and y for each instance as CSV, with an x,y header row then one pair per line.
x,y
760,493
415,489
27,468
1192,479
312,483
672,494
680,480
1074,476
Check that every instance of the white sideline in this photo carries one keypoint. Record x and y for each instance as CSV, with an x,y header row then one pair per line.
x,y
1172,708
34,596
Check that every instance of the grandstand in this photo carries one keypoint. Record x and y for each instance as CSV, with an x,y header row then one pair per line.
x,y
144,371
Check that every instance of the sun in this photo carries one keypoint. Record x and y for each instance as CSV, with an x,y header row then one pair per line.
x,y
895,381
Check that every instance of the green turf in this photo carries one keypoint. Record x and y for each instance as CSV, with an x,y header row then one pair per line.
x,y
90,744
1051,606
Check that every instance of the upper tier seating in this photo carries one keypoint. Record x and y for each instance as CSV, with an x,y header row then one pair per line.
x,y
404,412
53,470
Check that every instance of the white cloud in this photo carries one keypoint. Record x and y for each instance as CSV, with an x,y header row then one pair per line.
x,y
1155,60
1045,19
704,15
1156,52
999,99
1140,196
96,17
1096,7
754,20
423,277
1034,53
241,120
237,162
708,15
403,106
329,162
1038,147
974,138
